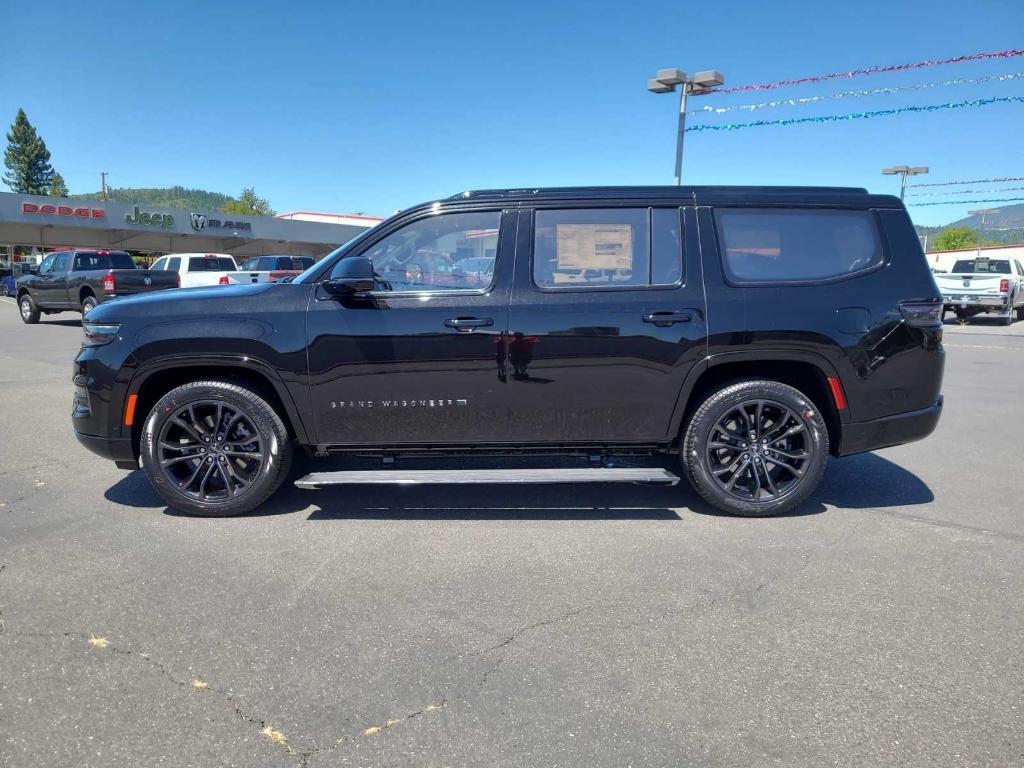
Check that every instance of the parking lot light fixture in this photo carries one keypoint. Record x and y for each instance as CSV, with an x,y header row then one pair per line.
x,y
666,81
904,171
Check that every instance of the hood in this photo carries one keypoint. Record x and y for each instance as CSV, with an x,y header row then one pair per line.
x,y
182,302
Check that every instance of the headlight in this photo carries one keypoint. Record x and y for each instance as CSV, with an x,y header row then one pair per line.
x,y
97,334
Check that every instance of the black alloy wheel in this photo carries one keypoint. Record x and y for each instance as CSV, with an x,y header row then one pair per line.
x,y
215,448
755,448
210,451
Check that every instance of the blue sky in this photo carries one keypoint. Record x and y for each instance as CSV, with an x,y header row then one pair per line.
x,y
373,106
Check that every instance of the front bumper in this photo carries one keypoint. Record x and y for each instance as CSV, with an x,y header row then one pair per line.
x,y
117,449
860,436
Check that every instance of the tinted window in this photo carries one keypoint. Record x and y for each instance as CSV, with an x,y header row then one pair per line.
x,y
60,264
421,256
797,245
607,247
211,264
47,264
173,264
993,266
160,264
251,265
93,261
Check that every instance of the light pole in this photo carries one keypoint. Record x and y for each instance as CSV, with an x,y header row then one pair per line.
x,y
666,81
904,171
103,184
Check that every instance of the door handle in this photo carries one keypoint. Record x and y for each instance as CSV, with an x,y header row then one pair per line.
x,y
468,324
665,319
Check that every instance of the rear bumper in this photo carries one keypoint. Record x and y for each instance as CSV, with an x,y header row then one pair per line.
x,y
860,436
983,302
119,450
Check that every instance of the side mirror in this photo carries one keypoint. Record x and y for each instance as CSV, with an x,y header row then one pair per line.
x,y
351,277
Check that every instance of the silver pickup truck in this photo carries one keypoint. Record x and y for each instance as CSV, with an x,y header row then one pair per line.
x,y
984,285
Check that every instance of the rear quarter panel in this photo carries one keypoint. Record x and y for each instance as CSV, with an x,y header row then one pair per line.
x,y
852,327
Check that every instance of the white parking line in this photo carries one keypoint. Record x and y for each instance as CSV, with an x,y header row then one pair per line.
x,y
8,298
984,346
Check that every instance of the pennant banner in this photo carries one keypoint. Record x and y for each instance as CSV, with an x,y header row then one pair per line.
x,y
971,181
1007,54
965,192
856,115
849,94
964,202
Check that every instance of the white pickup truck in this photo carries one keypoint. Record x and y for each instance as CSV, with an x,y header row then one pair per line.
x,y
198,269
984,285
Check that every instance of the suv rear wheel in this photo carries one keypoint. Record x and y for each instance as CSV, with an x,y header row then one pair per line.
x,y
28,309
215,449
755,448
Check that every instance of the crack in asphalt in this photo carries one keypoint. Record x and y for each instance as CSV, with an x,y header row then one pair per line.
x,y
1007,535
502,648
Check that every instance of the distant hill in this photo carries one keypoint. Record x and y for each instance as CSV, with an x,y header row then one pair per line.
x,y
1005,227
1008,216
170,197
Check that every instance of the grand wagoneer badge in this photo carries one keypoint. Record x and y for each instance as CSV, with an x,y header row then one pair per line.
x,y
442,403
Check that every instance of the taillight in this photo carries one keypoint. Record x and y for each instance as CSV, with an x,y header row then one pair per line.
x,y
109,282
922,314
177,279
223,280
1004,285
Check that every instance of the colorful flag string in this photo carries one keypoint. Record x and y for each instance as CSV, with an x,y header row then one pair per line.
x,y
964,192
856,115
1007,54
965,202
848,94
970,181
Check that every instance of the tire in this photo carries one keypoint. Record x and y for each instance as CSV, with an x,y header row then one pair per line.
x,y
1020,312
253,428
88,304
4,291
28,310
784,411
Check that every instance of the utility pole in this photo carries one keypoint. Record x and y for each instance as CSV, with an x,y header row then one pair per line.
x,y
666,81
103,184
904,171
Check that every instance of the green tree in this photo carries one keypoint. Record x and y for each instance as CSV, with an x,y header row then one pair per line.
x,y
954,238
57,186
249,203
27,159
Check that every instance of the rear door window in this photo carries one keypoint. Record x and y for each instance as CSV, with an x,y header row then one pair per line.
x,y
796,245
607,248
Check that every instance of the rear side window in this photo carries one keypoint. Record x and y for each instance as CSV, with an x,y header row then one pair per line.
x,y
174,263
211,264
797,245
607,248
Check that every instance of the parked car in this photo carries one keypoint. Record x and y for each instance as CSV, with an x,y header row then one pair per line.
x,y
982,285
751,332
80,280
277,267
6,282
201,269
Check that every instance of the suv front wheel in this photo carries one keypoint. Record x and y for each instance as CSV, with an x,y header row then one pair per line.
x,y
215,449
755,448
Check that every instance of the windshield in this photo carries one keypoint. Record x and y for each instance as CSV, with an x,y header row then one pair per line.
x,y
977,266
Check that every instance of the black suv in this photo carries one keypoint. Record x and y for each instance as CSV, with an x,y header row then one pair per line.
x,y
753,331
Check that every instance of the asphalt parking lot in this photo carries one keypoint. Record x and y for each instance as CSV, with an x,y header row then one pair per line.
x,y
511,626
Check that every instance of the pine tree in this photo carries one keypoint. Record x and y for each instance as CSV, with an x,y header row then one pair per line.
x,y
57,186
27,159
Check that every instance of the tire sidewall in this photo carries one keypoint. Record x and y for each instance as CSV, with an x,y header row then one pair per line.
x,y
33,313
264,418
88,303
716,406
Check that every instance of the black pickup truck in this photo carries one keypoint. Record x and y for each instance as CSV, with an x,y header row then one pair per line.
x,y
751,332
79,280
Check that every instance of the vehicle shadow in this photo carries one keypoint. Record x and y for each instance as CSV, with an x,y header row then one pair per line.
x,y
856,482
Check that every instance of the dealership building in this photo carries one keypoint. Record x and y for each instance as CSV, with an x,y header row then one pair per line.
x,y
46,223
